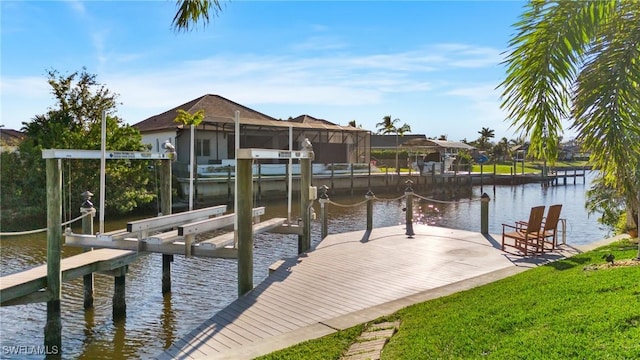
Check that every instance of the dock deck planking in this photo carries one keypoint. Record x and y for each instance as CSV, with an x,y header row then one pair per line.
x,y
16,285
344,277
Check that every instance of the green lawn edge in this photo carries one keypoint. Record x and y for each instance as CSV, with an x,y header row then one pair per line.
x,y
566,309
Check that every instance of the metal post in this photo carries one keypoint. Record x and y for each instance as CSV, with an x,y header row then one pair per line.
x,y
484,213
409,209
53,327
259,181
87,228
369,196
245,228
229,184
324,199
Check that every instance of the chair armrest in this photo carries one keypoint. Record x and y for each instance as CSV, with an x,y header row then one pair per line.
x,y
510,226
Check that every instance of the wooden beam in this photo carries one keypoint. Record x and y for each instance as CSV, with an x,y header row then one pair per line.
x,y
219,222
32,298
22,284
227,239
173,220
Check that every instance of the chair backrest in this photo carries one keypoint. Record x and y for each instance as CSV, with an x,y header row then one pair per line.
x,y
553,215
535,219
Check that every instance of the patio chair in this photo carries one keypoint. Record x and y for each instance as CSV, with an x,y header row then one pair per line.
x,y
525,236
550,225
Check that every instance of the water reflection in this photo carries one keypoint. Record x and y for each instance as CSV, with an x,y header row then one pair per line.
x,y
201,287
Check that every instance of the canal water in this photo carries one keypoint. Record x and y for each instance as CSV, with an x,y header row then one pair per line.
x,y
201,287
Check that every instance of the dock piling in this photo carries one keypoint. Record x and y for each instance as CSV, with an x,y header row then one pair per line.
x,y
119,302
324,199
484,214
165,208
409,209
53,327
87,228
245,228
369,196
304,240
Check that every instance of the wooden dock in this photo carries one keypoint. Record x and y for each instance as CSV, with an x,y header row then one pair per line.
x,y
25,286
349,279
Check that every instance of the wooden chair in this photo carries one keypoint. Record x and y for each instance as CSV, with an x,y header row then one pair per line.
x,y
525,236
550,225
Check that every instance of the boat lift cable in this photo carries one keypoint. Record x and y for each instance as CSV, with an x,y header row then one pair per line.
x,y
29,232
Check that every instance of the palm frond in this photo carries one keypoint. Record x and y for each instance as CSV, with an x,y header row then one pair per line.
x,y
542,66
191,12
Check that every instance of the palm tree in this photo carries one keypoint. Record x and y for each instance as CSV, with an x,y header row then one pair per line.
x,y
578,60
192,120
190,12
485,135
388,126
501,149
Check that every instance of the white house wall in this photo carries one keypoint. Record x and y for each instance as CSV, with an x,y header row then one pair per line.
x,y
156,139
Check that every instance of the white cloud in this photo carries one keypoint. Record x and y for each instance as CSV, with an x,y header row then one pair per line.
x,y
78,7
354,85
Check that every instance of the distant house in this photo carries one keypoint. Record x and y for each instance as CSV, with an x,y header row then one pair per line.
x,y
436,150
441,152
388,142
10,139
571,150
215,136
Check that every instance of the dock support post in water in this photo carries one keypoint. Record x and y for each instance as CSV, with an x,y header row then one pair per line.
x,y
484,214
369,196
243,211
87,228
409,209
119,302
53,328
244,206
165,207
324,199
304,240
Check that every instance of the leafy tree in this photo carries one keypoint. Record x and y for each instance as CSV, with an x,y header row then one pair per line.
x,y
578,61
501,149
75,123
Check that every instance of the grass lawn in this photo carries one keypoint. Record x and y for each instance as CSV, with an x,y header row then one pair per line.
x,y
577,308
505,169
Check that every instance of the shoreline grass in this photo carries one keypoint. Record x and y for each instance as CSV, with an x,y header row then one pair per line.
x,y
562,310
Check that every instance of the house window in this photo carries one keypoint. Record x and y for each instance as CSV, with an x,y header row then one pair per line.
x,y
203,147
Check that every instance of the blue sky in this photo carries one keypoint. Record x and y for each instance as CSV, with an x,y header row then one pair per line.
x,y
435,65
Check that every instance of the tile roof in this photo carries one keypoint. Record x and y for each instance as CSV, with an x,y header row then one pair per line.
x,y
216,109
11,137
389,141
219,110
